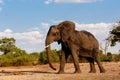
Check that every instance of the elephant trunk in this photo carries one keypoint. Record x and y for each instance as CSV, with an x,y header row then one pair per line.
x,y
48,51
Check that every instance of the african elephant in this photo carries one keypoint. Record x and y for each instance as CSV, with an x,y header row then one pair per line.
x,y
75,43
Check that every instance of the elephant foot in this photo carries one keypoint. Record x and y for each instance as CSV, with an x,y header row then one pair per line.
x,y
61,72
92,71
77,71
102,71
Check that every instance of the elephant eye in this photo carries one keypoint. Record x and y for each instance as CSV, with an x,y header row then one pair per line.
x,y
54,34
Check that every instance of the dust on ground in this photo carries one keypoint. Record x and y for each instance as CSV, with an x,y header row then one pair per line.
x,y
44,72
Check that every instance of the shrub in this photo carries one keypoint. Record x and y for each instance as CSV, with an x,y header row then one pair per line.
x,y
20,61
104,57
109,56
4,61
34,57
116,57
43,57
15,59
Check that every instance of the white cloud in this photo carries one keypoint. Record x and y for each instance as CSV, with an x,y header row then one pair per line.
x,y
97,28
34,29
1,1
70,1
33,37
24,40
100,31
7,31
48,1
0,9
33,40
44,24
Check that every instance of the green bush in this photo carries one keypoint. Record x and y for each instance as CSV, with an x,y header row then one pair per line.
x,y
22,61
21,58
116,57
43,57
5,61
109,56
15,59
70,60
105,57
34,57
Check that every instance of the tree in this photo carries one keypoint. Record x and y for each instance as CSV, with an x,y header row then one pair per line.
x,y
105,48
114,34
7,45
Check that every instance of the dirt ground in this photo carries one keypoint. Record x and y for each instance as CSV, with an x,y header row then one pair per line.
x,y
43,72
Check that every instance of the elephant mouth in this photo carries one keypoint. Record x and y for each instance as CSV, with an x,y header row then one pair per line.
x,y
59,41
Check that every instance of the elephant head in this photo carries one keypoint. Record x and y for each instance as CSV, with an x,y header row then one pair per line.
x,y
59,33
66,28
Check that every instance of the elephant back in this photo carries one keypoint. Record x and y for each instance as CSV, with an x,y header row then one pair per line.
x,y
88,40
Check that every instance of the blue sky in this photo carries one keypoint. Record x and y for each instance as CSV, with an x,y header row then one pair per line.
x,y
28,20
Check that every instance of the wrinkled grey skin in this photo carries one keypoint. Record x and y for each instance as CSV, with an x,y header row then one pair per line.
x,y
75,43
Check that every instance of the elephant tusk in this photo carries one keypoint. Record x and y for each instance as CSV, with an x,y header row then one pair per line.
x,y
47,46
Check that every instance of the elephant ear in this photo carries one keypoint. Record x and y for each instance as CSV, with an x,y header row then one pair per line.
x,y
66,30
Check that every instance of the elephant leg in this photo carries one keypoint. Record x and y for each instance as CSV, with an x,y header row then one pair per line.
x,y
62,63
76,61
92,65
92,68
97,59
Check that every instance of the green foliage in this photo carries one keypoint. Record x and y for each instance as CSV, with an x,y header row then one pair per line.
x,y
21,61
15,59
7,45
104,57
116,57
70,60
115,34
19,58
109,56
6,60
13,56
34,57
43,57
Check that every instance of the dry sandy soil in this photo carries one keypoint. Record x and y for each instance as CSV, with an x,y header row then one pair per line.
x,y
43,72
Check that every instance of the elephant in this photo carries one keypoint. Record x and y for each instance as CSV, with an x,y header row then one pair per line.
x,y
76,43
